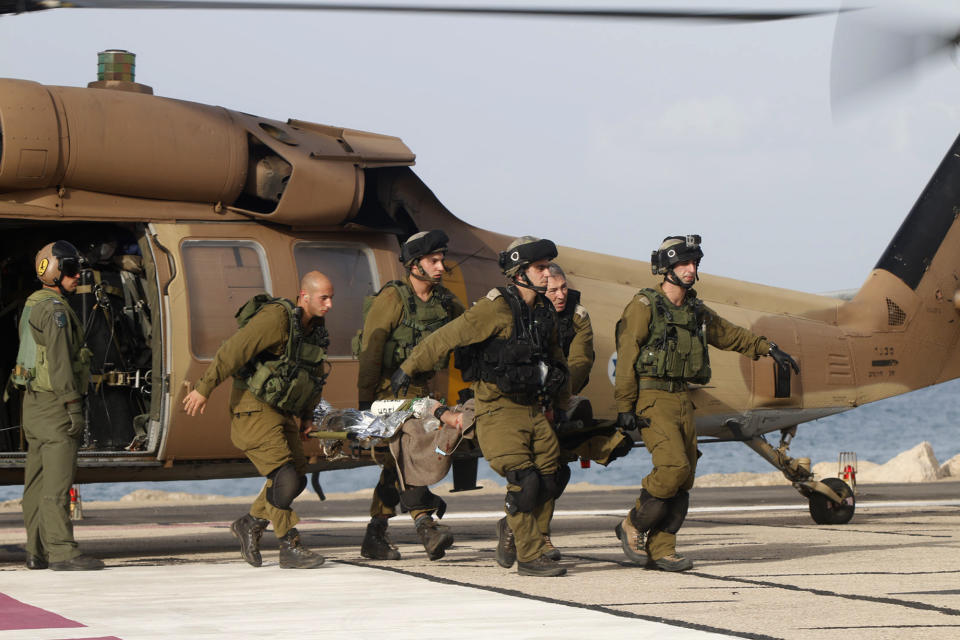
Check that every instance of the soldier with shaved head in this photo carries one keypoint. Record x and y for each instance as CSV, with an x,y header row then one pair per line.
x,y
277,360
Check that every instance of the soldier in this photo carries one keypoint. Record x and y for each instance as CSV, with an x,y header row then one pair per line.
x,y
515,362
662,341
53,368
576,337
576,332
401,315
278,362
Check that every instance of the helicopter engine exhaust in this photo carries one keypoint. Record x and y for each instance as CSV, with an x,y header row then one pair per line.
x,y
128,143
118,142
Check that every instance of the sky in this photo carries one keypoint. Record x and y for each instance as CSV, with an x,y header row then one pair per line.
x,y
602,135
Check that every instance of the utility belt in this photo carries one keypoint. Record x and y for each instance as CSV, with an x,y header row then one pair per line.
x,y
660,384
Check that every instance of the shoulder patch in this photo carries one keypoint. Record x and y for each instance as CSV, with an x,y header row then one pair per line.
x,y
644,300
60,318
580,311
493,294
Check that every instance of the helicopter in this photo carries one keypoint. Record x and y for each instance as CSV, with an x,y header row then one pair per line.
x,y
226,213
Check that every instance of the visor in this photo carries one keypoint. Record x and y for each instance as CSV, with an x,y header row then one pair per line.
x,y
69,267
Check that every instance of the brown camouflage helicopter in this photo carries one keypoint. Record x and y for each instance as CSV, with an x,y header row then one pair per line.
x,y
184,211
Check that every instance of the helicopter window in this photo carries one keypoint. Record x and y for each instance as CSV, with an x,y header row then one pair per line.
x,y
221,276
350,267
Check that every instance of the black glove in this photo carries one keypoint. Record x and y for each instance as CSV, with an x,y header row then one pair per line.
x,y
399,383
364,406
783,358
77,423
627,421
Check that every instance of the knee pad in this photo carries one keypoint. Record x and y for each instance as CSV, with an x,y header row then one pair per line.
x,y
422,498
524,500
287,485
650,512
676,512
552,486
387,489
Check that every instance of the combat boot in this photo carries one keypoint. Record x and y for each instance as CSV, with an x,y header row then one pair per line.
x,y
376,544
506,545
293,555
82,562
248,531
551,551
35,562
436,538
632,540
673,562
542,567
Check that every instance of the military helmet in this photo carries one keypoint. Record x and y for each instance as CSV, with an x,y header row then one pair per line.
x,y
524,251
674,250
56,260
422,244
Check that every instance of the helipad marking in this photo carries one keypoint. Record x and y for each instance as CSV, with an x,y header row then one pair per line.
x,y
216,601
16,615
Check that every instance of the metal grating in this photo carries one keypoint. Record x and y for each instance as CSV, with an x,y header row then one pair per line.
x,y
895,315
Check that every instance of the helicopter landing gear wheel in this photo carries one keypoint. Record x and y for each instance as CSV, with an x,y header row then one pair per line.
x,y
825,511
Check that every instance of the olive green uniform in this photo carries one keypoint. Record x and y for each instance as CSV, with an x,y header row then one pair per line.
x,y
60,378
513,436
268,437
388,338
663,405
578,344
576,335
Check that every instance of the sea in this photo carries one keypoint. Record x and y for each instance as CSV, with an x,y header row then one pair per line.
x,y
876,432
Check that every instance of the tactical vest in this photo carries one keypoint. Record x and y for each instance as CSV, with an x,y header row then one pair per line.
x,y
565,327
520,365
291,382
677,346
32,370
418,320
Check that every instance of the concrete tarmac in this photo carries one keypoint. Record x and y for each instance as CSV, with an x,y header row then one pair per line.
x,y
763,569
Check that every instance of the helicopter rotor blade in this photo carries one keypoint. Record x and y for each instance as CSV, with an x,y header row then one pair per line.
x,y
874,49
18,6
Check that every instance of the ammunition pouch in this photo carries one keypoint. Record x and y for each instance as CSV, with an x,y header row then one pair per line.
x,y
418,320
293,381
516,364
676,350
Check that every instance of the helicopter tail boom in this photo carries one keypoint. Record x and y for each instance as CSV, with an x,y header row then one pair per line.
x,y
904,323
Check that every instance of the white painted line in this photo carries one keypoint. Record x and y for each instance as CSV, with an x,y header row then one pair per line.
x,y
563,513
